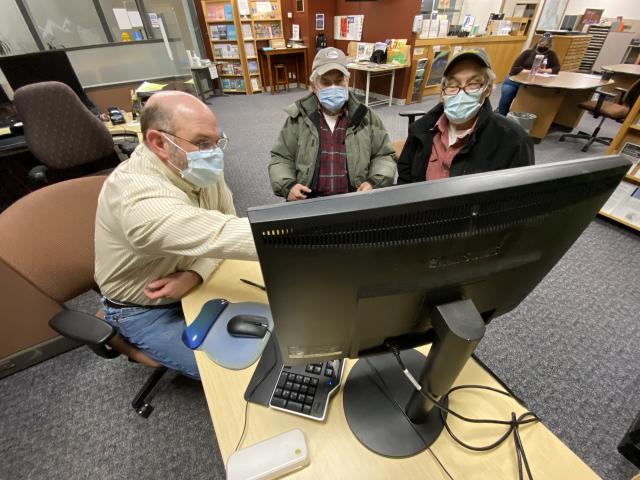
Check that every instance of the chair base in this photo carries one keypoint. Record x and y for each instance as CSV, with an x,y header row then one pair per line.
x,y
141,401
590,138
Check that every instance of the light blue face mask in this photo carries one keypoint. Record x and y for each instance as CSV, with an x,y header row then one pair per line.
x,y
333,98
203,167
462,107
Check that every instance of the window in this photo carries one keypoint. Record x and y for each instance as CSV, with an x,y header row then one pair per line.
x,y
66,23
15,37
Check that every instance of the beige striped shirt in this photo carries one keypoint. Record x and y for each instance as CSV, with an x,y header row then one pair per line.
x,y
151,223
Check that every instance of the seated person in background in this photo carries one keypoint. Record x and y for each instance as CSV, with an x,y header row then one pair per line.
x,y
330,142
462,135
165,218
524,62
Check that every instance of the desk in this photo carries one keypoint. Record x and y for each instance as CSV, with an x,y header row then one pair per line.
x,y
334,451
296,51
129,128
375,70
623,75
554,99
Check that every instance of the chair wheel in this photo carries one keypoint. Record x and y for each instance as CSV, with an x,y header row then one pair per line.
x,y
561,139
145,410
585,148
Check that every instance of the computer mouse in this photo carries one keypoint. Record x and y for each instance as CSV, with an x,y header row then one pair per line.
x,y
247,326
196,331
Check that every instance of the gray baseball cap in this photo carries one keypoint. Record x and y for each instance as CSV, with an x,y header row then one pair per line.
x,y
329,59
478,54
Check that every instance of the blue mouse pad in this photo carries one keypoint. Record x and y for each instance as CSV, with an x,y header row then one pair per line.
x,y
232,352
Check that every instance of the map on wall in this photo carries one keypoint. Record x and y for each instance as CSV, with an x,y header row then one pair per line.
x,y
551,16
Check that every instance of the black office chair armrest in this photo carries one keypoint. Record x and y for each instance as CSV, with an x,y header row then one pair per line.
x,y
602,96
38,175
87,329
412,114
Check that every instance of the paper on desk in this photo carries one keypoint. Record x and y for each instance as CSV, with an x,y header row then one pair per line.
x,y
5,131
150,87
546,75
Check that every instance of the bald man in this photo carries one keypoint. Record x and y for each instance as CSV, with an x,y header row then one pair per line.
x,y
164,222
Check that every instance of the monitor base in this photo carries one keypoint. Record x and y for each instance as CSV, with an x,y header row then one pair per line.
x,y
375,419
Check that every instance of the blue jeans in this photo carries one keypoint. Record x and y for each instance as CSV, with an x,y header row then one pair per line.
x,y
507,94
158,333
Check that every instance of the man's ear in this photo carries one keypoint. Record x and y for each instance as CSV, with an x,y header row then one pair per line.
x,y
158,144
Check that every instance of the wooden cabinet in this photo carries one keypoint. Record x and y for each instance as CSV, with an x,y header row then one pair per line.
x,y
569,48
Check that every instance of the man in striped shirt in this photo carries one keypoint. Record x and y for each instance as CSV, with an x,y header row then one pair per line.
x,y
164,222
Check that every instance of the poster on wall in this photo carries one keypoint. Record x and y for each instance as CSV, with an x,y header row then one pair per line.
x,y
319,21
348,27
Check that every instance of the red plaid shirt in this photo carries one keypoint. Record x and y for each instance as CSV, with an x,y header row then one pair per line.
x,y
332,171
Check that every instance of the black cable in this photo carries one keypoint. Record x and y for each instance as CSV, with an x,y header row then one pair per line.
x,y
514,424
246,402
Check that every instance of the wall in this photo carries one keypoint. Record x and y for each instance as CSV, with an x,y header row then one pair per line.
x,y
612,8
383,19
509,5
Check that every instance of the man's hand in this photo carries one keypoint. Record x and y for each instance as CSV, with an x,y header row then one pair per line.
x,y
297,192
174,286
365,186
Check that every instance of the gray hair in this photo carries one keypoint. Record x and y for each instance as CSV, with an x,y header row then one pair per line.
x,y
154,116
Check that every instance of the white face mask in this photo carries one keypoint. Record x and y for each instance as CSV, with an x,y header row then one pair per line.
x,y
203,167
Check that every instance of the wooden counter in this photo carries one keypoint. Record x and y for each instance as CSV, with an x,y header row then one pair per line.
x,y
502,51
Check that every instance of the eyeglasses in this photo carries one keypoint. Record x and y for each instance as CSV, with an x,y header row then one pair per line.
x,y
206,145
473,87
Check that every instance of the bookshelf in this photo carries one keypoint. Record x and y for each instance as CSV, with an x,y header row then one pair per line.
x,y
232,44
265,20
621,211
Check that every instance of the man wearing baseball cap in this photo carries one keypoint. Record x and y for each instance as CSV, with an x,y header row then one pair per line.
x,y
462,134
330,142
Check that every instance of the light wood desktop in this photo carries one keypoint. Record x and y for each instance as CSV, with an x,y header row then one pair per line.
x,y
335,452
130,127
623,75
554,98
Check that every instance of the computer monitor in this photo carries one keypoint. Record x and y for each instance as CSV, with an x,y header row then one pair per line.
x,y
349,275
47,66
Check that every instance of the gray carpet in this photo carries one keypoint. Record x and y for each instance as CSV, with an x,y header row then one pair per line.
x,y
570,351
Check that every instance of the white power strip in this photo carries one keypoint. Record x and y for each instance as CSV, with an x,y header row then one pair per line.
x,y
271,458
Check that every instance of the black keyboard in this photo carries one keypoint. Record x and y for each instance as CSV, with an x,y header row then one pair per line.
x,y
305,389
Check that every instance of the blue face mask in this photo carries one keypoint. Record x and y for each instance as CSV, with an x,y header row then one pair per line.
x,y
333,98
203,167
462,107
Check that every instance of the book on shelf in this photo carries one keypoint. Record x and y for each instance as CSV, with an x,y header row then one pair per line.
x,y
252,65
232,84
255,84
268,30
246,31
231,68
219,11
223,32
249,49
225,50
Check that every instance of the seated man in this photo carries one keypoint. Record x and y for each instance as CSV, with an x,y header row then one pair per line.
x,y
165,218
330,143
462,134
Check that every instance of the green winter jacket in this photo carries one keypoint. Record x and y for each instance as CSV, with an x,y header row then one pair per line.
x,y
294,157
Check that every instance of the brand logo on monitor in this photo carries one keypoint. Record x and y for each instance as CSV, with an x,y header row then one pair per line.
x,y
465,257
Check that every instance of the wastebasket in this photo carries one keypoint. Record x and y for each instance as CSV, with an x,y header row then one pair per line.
x,y
524,119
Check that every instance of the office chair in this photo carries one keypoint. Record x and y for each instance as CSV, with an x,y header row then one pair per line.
x,y
62,133
600,107
411,116
46,259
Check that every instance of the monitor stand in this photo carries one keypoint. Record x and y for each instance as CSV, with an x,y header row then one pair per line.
x,y
383,408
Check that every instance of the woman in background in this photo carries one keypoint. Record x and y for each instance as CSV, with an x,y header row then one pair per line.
x,y
524,62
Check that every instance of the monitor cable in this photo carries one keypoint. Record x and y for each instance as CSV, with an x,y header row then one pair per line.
x,y
246,402
514,424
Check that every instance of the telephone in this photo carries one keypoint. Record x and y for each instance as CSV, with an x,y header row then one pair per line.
x,y
115,115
